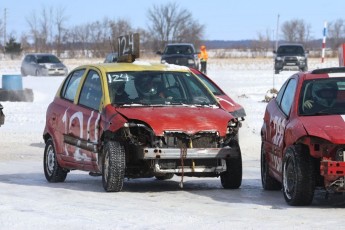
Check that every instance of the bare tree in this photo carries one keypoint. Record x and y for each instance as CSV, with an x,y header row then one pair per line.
x,y
59,21
296,30
336,34
169,23
45,25
41,29
118,28
34,32
261,46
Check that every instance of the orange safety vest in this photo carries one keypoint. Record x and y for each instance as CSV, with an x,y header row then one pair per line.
x,y
203,54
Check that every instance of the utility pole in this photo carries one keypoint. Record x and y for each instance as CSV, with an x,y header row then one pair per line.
x,y
277,32
5,27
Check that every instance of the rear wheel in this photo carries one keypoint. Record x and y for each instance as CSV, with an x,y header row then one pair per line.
x,y
113,170
268,182
52,170
232,177
22,72
298,176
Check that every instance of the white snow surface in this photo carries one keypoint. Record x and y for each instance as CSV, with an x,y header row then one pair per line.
x,y
28,201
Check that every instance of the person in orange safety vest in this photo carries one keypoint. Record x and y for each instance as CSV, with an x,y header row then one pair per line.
x,y
203,55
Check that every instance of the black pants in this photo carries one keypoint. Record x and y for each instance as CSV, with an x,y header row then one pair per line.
x,y
203,67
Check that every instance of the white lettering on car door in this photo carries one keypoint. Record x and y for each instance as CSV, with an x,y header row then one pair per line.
x,y
279,127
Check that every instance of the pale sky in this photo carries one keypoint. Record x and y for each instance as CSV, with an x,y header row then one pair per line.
x,y
223,19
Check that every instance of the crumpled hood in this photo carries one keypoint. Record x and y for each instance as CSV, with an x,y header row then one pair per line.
x,y
331,128
185,119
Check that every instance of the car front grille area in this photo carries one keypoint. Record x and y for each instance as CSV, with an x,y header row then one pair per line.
x,y
177,61
290,59
181,140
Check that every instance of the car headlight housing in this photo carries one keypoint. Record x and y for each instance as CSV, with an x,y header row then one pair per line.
x,y
279,59
301,58
190,61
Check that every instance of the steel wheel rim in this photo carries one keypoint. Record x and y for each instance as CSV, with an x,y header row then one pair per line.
x,y
106,166
289,177
50,162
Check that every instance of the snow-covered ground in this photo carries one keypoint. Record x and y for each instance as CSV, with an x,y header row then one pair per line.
x,y
28,201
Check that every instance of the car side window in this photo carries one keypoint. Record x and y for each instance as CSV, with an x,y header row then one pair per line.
x,y
280,93
71,84
288,96
91,92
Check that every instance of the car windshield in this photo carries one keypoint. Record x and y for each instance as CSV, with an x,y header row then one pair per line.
x,y
47,59
215,90
290,50
178,49
158,88
322,97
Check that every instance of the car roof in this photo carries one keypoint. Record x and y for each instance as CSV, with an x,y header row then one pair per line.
x,y
40,54
323,73
290,44
136,66
180,44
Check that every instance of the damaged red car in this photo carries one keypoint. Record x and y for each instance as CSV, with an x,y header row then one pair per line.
x,y
303,136
224,100
139,120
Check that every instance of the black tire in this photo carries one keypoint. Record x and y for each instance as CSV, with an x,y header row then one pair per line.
x,y
114,164
52,170
165,177
232,177
298,176
268,182
22,72
276,71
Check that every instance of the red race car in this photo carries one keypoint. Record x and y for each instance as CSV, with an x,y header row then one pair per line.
x,y
139,120
303,136
224,100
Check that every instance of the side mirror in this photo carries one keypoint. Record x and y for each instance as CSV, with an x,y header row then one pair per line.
x,y
159,52
274,51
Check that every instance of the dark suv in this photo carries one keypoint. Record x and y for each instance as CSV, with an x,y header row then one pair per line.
x,y
180,54
290,55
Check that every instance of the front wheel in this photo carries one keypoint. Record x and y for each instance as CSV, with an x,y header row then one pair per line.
x,y
52,170
298,176
232,177
114,163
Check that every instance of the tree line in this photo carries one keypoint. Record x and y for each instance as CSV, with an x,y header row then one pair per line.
x,y
168,23
299,31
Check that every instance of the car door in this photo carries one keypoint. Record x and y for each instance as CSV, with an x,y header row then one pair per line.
x,y
84,118
64,112
276,120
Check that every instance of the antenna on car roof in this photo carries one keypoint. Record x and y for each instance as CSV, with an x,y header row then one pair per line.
x,y
128,47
